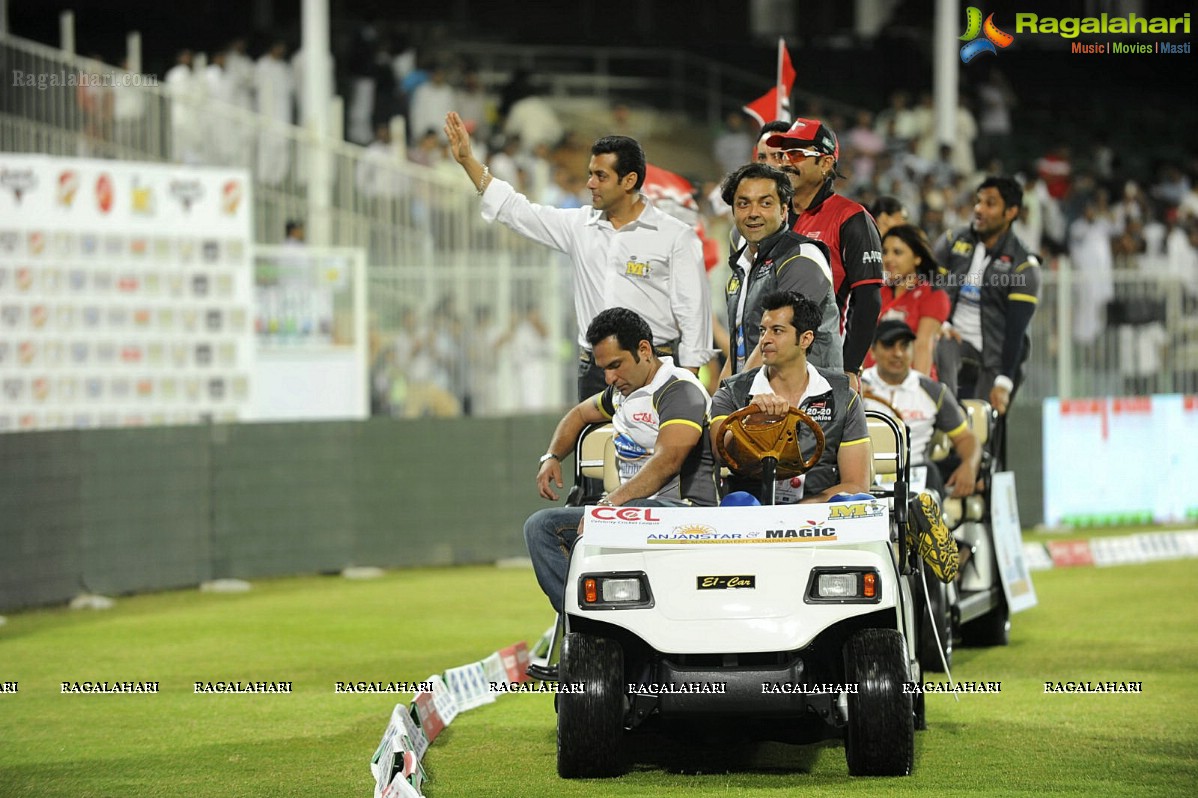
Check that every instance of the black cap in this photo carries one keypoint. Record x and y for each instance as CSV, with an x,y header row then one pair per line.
x,y
893,330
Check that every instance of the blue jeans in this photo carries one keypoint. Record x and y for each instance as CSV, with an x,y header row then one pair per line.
x,y
550,535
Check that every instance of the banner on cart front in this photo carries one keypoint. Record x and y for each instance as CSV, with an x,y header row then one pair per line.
x,y
779,525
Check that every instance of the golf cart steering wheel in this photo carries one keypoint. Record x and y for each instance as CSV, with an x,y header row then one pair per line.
x,y
761,435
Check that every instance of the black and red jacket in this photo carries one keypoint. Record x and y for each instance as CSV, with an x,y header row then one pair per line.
x,y
851,236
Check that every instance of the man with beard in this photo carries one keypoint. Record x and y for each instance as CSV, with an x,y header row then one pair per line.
x,y
993,282
845,227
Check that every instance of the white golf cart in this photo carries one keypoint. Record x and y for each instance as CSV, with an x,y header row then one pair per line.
x,y
794,622
977,603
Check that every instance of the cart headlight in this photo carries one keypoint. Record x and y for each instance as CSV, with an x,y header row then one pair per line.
x,y
836,585
621,590
614,591
844,585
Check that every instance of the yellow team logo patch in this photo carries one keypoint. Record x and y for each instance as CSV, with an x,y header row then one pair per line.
x,y
962,248
634,268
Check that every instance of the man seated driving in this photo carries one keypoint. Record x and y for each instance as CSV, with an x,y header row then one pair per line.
x,y
788,326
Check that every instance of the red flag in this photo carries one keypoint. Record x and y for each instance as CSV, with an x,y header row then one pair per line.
x,y
765,108
786,80
675,195
775,103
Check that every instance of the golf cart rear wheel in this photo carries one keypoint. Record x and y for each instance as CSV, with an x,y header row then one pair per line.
x,y
935,625
590,724
991,629
880,738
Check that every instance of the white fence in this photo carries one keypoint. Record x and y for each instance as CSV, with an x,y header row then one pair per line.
x,y
1133,334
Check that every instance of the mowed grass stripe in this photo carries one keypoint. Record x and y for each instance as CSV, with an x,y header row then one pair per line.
x,y
1131,623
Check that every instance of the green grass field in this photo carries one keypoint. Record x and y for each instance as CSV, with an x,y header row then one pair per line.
x,y
1129,623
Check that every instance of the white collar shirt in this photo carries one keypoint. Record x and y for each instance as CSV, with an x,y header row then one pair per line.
x,y
652,265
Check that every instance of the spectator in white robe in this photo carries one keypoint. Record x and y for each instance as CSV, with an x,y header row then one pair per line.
x,y
275,94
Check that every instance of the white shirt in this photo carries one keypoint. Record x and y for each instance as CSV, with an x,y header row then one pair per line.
x,y
275,90
378,172
430,103
920,410
652,265
534,121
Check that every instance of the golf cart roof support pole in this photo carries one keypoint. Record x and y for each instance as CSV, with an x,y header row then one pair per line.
x,y
769,473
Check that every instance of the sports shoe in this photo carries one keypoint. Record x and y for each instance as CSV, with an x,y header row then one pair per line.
x,y
936,544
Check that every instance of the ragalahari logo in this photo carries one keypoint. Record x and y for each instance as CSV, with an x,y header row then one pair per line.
x,y
993,38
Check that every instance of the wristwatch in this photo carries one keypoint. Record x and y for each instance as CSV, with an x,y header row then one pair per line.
x,y
548,456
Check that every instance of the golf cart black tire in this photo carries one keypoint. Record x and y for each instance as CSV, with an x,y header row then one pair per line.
x,y
991,629
880,734
927,648
590,724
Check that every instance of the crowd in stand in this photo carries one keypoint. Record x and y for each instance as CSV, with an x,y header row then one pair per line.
x,y
1087,206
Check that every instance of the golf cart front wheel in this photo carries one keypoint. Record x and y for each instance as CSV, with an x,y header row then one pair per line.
x,y
880,738
590,723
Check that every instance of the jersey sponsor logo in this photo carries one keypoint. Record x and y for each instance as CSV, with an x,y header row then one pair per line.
x,y
820,411
962,248
634,268
628,449
733,285
647,418
871,256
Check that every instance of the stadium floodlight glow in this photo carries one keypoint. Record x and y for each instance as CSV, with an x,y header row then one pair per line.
x,y
620,590
844,585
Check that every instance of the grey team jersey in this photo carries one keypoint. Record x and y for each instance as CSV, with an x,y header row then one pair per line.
x,y
926,406
674,396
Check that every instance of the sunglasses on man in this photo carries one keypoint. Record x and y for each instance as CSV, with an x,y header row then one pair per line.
x,y
797,156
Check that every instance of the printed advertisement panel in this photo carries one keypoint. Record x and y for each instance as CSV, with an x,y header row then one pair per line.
x,y
126,294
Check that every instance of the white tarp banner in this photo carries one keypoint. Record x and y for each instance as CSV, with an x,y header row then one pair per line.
x,y
468,683
1008,543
